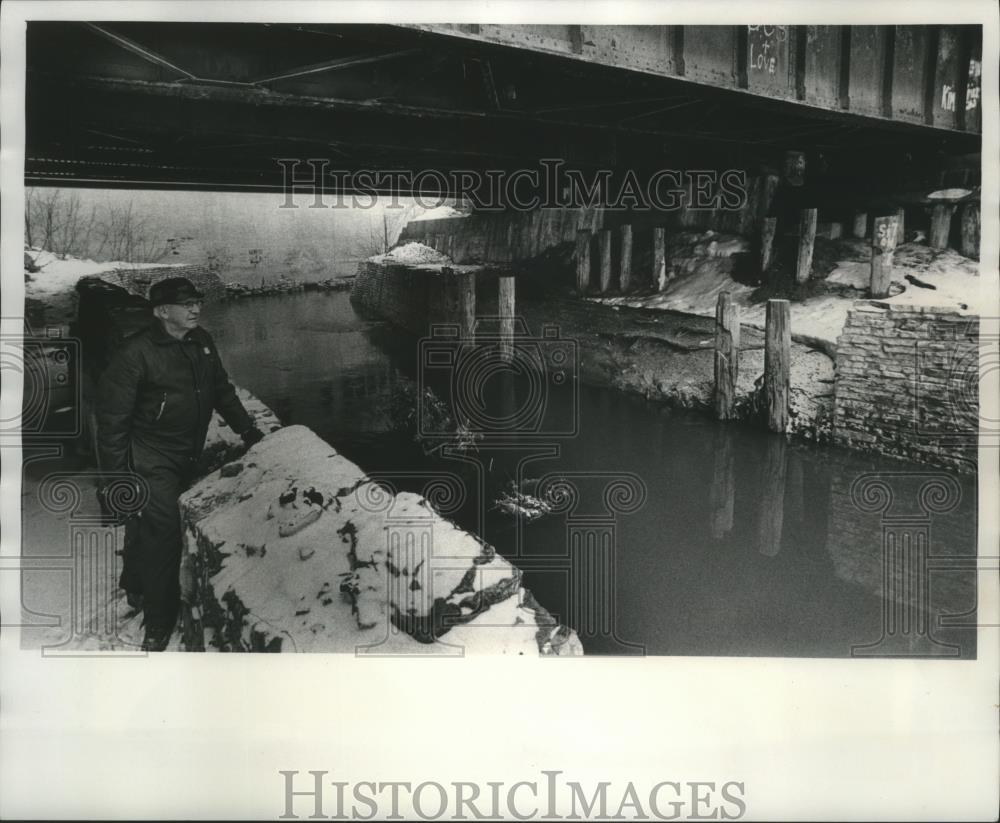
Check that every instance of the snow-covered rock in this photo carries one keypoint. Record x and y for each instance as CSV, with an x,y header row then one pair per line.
x,y
413,254
294,548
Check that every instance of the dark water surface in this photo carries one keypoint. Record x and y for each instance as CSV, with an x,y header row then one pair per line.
x,y
724,540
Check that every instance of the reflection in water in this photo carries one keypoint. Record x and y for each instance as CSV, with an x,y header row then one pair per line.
x,y
771,509
722,496
746,544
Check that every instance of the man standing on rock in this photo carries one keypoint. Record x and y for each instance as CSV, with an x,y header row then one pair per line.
x,y
155,402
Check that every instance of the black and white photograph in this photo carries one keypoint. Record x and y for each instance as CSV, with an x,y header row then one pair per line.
x,y
580,411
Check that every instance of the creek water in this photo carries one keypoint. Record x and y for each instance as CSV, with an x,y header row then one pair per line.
x,y
705,539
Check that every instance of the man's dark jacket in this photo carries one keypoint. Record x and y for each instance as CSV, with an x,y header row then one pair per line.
x,y
159,393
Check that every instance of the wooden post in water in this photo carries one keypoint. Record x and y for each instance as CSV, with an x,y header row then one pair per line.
x,y
727,355
660,257
883,247
940,225
767,230
625,278
604,250
506,309
807,239
900,225
582,260
777,363
860,228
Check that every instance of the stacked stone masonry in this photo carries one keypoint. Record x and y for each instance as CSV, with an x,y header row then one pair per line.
x,y
411,297
907,384
138,281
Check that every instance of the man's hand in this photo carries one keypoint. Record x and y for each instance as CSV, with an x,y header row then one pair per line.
x,y
252,435
120,500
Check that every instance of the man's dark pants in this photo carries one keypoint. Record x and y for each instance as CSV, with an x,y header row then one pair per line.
x,y
153,541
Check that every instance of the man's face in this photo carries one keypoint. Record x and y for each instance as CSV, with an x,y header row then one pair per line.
x,y
180,317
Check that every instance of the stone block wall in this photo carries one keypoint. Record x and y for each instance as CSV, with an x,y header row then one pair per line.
x,y
411,297
397,293
907,383
137,281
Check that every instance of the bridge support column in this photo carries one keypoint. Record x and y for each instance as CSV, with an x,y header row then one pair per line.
x,y
506,308
940,225
767,230
860,228
625,278
583,260
604,248
660,277
807,240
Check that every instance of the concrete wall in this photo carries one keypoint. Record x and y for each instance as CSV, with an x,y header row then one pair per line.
x,y
908,383
509,236
501,237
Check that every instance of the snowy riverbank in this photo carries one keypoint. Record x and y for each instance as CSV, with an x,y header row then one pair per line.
x,y
289,548
946,280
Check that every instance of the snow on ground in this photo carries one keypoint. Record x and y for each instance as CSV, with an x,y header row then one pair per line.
x,y
417,255
955,280
412,254
438,213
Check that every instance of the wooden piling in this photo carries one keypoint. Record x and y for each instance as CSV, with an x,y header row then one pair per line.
x,y
660,257
860,227
767,230
625,272
807,240
604,252
777,363
969,243
506,308
883,248
727,355
900,226
940,225
583,260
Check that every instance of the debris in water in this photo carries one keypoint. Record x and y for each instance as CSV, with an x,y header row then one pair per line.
x,y
523,505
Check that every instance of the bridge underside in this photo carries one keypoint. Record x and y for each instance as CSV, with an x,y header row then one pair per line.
x,y
215,106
